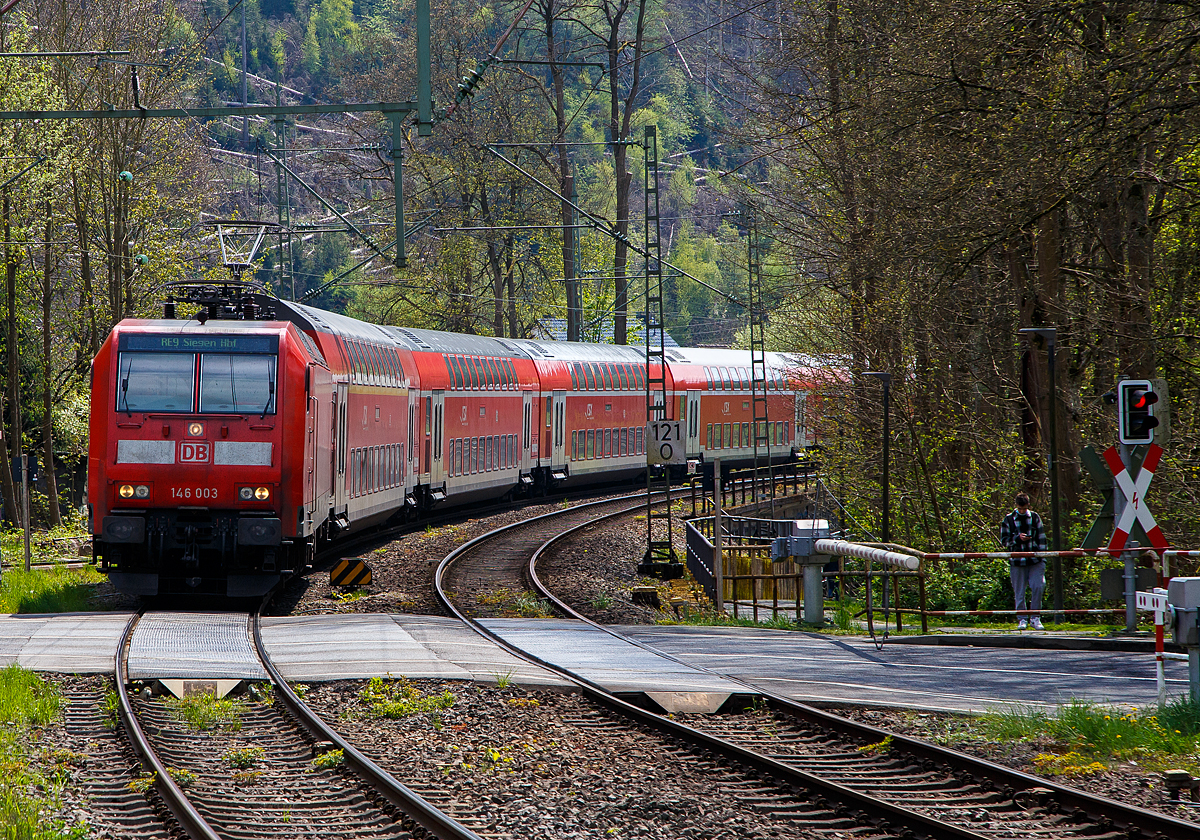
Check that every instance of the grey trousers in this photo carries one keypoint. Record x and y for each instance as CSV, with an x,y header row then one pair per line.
x,y
1032,576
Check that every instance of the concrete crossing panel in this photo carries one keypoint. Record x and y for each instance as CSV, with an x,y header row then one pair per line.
x,y
814,668
346,647
75,643
599,657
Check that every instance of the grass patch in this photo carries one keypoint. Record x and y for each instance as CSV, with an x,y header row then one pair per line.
x,y
400,699
25,700
711,618
54,590
244,757
327,760
28,797
206,711
345,596
1085,737
517,604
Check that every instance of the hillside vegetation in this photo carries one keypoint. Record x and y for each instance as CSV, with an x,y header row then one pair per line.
x,y
928,179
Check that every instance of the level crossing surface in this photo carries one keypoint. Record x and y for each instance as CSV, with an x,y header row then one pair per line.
x,y
818,668
809,667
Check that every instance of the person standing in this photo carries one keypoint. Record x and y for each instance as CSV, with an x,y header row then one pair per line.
x,y
1022,530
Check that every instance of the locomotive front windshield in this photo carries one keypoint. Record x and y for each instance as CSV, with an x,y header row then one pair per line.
x,y
237,384
209,374
155,382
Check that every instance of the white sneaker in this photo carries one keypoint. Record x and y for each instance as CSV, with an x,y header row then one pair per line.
x,y
1021,624
1037,624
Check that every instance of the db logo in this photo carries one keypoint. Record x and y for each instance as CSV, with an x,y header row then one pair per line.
x,y
193,453
588,411
725,409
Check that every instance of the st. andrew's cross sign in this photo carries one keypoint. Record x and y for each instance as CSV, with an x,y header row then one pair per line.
x,y
1134,490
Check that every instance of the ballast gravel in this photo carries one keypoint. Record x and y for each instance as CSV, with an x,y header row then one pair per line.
x,y
541,765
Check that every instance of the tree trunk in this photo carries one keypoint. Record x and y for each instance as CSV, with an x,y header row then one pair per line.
x,y
85,266
48,377
565,180
13,359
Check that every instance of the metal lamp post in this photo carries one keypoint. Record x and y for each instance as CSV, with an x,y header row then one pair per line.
x,y
1049,336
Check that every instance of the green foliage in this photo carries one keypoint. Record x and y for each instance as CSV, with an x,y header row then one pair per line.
x,y
327,761
25,699
54,590
400,698
29,800
1158,738
202,712
243,758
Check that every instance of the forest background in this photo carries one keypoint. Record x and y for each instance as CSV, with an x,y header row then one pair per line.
x,y
928,178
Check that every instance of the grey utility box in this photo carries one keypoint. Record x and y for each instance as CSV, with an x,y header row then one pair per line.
x,y
1183,593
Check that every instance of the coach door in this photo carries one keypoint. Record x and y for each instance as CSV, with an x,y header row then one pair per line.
x,y
559,423
526,433
437,473
693,423
310,467
339,451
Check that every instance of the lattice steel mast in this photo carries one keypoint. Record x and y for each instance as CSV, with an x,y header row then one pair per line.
x,y
758,363
660,559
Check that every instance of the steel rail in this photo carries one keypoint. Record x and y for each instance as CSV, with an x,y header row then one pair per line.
x,y
932,827
433,820
1128,817
176,801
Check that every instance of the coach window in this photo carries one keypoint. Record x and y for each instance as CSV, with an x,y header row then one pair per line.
x,y
620,377
494,366
512,374
455,373
372,364
591,444
549,401
489,374
368,365
609,380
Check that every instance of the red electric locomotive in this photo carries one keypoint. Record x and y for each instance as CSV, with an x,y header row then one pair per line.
x,y
224,446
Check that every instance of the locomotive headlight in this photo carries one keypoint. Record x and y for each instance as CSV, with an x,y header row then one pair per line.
x,y
262,493
195,429
141,491
126,491
245,493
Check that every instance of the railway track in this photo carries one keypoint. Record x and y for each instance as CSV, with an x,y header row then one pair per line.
x,y
268,772
873,778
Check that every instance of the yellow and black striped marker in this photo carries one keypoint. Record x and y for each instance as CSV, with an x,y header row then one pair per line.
x,y
351,571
